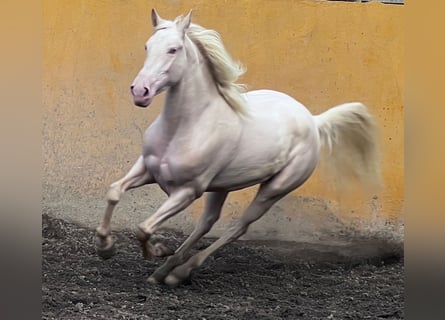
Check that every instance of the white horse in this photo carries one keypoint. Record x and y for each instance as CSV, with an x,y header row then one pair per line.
x,y
212,138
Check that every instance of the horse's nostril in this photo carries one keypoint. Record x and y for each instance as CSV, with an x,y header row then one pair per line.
x,y
137,91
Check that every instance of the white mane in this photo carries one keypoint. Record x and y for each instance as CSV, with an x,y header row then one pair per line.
x,y
224,69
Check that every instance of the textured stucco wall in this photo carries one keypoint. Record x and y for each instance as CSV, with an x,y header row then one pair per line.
x,y
321,53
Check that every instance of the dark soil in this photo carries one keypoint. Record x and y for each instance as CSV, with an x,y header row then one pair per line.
x,y
244,280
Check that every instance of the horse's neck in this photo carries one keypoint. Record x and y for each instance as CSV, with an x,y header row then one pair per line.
x,y
187,101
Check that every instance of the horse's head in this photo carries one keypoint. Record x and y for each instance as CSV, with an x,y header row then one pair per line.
x,y
165,60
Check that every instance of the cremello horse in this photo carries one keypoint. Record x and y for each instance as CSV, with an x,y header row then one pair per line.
x,y
212,138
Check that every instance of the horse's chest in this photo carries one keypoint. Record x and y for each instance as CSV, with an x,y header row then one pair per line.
x,y
175,161
159,168
170,169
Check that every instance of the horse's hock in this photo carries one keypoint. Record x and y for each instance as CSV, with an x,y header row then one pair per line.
x,y
321,53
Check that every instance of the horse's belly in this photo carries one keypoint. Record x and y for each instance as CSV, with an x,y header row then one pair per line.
x,y
238,179
253,165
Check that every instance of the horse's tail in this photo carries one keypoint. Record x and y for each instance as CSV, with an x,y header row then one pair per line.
x,y
350,135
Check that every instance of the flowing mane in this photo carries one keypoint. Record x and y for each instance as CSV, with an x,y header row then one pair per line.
x,y
224,69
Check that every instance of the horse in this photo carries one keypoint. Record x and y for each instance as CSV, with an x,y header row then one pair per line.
x,y
213,137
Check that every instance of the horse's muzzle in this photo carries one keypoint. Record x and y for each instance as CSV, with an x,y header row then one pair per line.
x,y
141,96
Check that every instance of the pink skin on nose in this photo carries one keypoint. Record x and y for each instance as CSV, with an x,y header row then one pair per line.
x,y
142,94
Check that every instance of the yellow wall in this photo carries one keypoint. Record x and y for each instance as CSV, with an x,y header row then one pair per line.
x,y
321,53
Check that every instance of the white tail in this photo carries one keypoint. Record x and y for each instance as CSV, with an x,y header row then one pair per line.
x,y
350,134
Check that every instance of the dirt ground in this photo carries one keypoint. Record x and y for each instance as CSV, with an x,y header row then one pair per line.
x,y
244,280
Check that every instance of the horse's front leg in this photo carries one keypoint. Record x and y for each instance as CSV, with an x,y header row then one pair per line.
x,y
136,177
212,211
177,201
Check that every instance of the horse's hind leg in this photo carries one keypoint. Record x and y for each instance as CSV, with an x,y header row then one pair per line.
x,y
269,193
256,209
212,211
136,177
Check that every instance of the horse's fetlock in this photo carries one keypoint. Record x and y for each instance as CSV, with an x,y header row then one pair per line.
x,y
141,235
102,232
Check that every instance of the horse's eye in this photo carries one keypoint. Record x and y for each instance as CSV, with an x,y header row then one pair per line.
x,y
145,47
172,51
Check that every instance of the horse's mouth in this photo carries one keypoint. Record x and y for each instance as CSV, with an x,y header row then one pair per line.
x,y
142,102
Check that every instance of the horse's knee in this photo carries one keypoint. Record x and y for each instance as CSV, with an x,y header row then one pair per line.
x,y
113,194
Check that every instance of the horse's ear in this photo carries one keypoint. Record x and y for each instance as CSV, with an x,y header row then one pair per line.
x,y
155,18
184,23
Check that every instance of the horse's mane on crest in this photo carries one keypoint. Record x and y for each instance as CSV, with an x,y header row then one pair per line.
x,y
224,69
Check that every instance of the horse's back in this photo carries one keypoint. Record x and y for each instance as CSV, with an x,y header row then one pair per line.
x,y
271,101
277,114
276,130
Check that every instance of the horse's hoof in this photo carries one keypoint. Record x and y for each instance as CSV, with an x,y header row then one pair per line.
x,y
178,275
161,250
172,281
107,253
152,280
105,250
